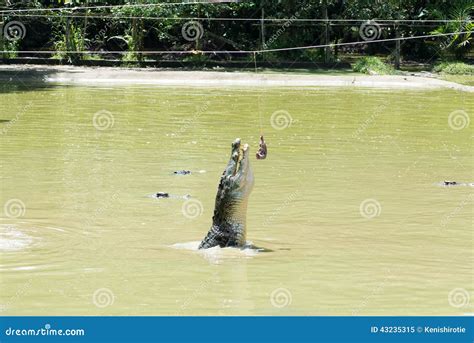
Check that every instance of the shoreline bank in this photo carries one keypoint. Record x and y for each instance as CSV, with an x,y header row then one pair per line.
x,y
93,76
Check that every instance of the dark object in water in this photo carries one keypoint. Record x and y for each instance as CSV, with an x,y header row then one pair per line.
x,y
5,120
182,172
450,183
455,184
163,195
262,151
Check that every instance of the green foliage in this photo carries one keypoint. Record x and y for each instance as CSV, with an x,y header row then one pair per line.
x,y
92,57
66,42
130,57
198,58
133,29
11,49
454,68
313,55
373,65
459,43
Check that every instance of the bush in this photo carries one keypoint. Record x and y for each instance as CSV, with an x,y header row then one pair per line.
x,y
454,68
373,66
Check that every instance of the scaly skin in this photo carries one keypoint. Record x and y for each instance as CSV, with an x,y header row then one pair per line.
x,y
229,221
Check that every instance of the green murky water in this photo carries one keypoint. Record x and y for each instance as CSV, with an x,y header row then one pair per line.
x,y
348,201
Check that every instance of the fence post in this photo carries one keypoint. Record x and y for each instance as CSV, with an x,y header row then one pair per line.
x,y
83,42
68,34
326,32
262,28
397,46
2,37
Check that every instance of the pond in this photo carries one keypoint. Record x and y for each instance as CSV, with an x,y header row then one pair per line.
x,y
350,202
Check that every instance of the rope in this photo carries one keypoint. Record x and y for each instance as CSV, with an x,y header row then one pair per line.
x,y
164,52
365,42
113,6
381,21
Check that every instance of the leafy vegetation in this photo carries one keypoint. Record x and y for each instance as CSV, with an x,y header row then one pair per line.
x,y
67,41
373,66
132,33
462,26
454,68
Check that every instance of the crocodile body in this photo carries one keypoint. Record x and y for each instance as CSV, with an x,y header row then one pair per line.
x,y
228,227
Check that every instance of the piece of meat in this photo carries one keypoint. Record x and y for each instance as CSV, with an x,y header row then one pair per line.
x,y
262,150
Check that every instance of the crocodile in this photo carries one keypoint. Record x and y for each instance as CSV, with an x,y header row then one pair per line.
x,y
163,195
187,172
456,183
230,211
182,172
